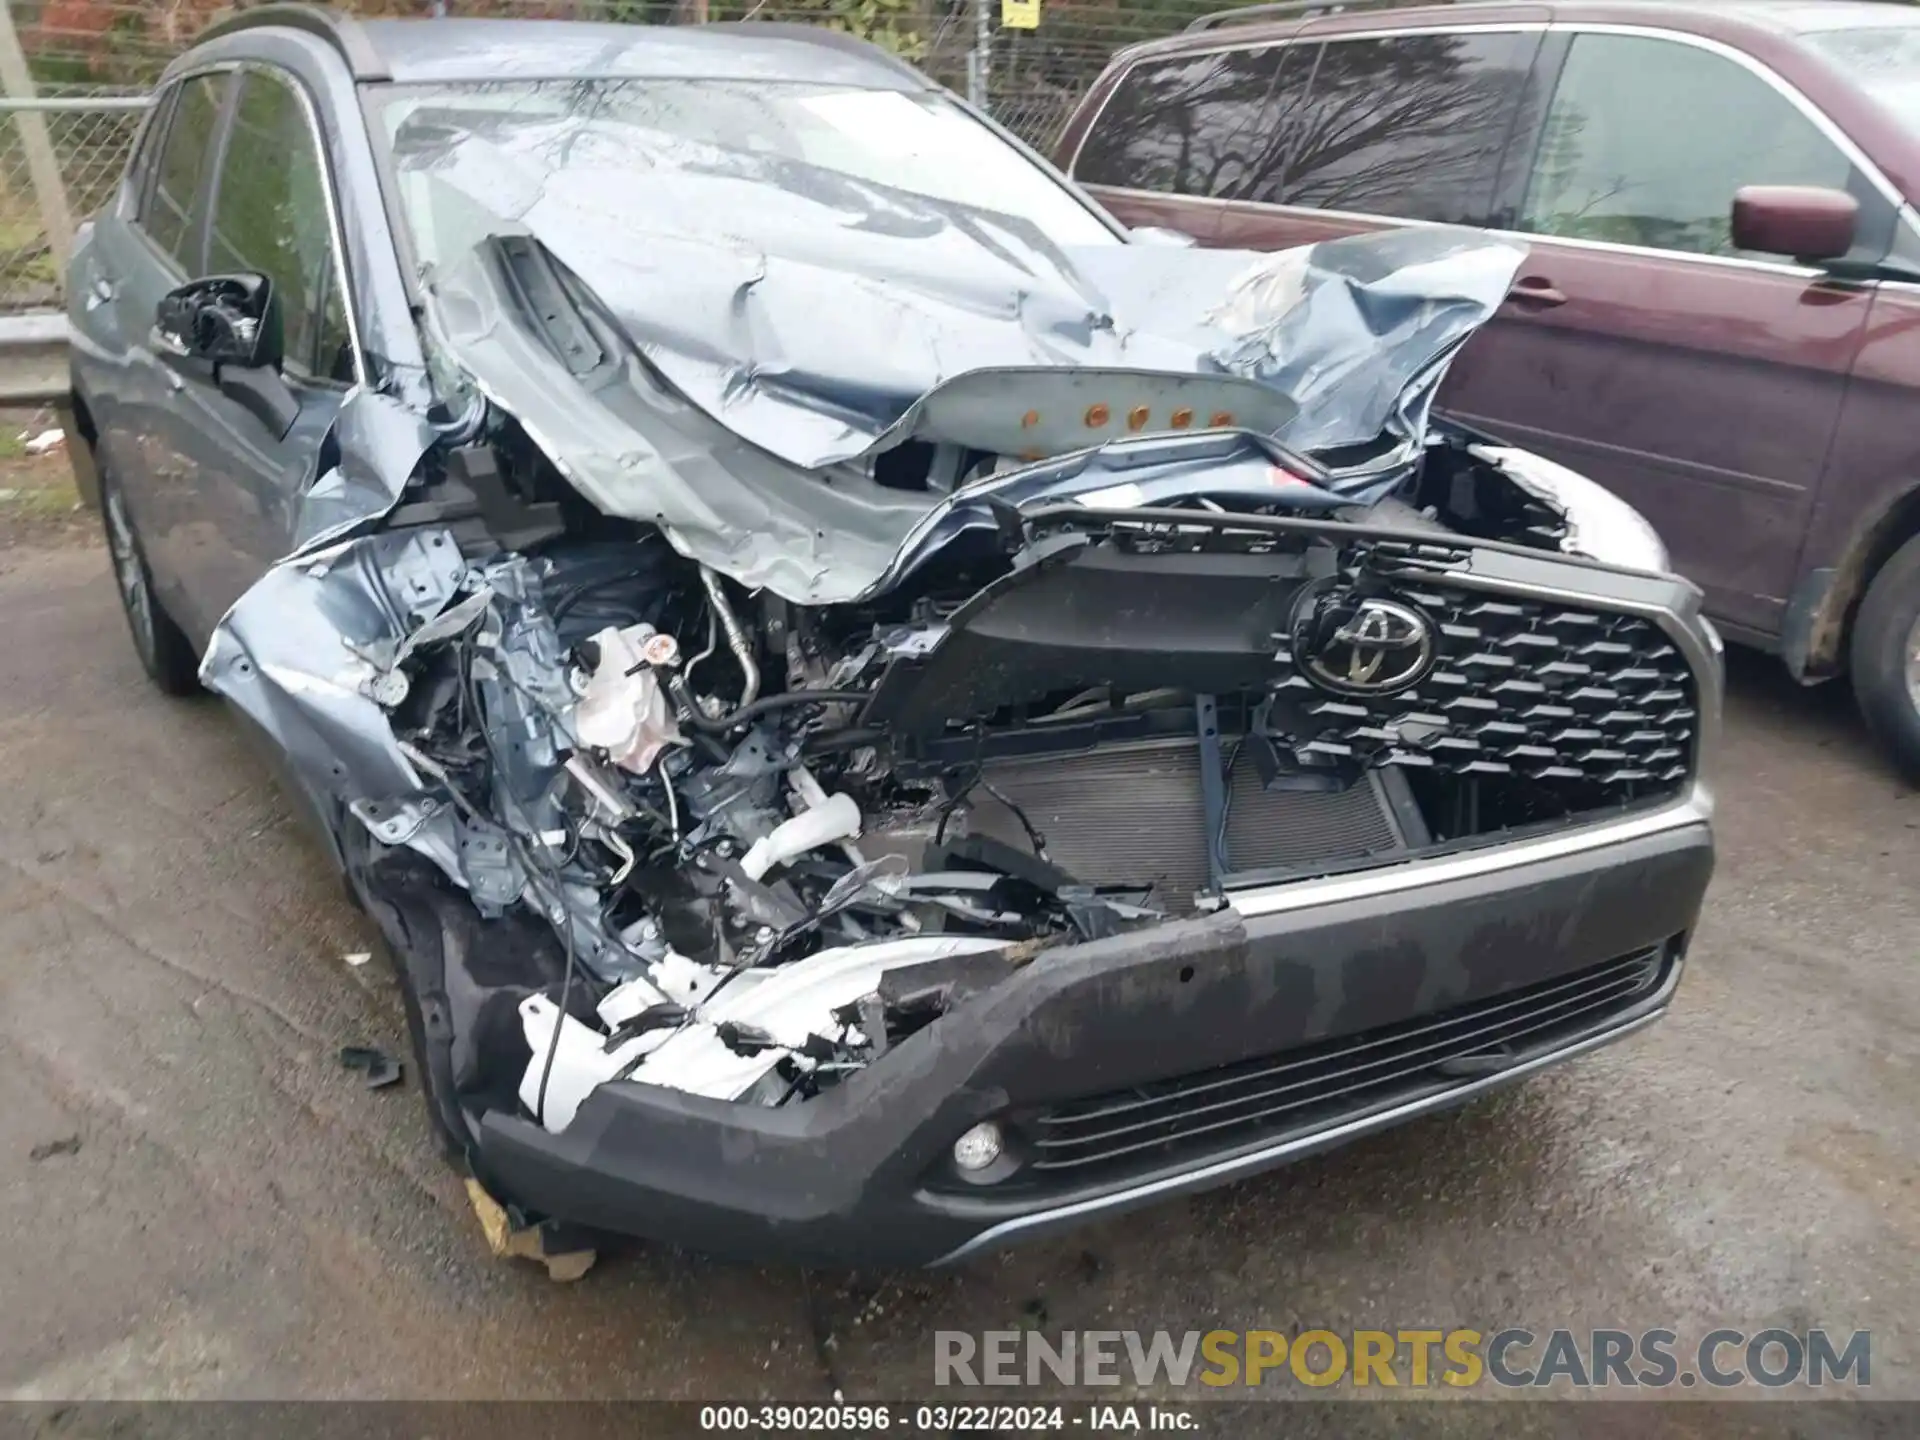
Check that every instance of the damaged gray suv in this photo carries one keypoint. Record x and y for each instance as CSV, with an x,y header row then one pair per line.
x,y
876,712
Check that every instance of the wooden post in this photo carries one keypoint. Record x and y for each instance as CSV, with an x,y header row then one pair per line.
x,y
43,166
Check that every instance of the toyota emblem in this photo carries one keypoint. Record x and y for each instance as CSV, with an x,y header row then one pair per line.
x,y
1360,645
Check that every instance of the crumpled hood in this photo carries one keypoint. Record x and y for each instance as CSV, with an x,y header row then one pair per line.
x,y
809,318
808,310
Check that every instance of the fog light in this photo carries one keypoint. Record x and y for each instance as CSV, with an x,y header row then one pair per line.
x,y
979,1147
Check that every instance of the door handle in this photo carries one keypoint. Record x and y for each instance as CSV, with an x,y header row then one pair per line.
x,y
1537,292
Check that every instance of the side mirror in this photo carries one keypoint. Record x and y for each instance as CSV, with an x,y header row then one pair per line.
x,y
233,322
226,319
1806,223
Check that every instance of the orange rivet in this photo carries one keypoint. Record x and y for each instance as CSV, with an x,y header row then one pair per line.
x,y
1030,419
1031,455
1182,418
1097,415
1137,417
1220,418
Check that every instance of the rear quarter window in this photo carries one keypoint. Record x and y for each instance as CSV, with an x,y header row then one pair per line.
x,y
1206,125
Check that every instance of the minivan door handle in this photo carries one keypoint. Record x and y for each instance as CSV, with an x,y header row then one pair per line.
x,y
1536,292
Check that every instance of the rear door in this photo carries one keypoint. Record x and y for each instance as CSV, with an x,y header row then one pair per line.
x,y
1178,137
272,215
1638,347
1376,129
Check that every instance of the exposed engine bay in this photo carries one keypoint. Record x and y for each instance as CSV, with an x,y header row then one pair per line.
x,y
773,840
633,815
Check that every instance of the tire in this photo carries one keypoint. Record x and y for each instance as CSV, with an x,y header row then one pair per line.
x,y
163,648
1886,658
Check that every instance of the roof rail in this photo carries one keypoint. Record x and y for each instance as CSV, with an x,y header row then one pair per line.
x,y
336,27
1305,10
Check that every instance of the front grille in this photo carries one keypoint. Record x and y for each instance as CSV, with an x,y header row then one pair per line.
x,y
1135,815
1315,1086
1600,707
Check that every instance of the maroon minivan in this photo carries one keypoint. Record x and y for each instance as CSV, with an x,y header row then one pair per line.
x,y
1720,315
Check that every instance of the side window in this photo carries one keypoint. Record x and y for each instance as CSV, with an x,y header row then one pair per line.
x,y
1203,126
176,205
270,217
1408,126
1646,140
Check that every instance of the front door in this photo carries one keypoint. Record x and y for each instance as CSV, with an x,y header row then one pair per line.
x,y
1638,347
148,416
270,216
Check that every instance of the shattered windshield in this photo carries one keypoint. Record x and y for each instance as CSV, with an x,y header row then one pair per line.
x,y
580,142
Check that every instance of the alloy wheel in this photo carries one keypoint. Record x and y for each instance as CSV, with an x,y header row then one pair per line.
x,y
1913,664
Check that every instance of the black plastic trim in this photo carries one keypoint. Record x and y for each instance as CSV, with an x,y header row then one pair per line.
x,y
342,31
853,1177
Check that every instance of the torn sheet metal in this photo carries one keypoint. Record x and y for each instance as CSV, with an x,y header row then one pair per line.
x,y
380,442
662,339
636,450
1600,525
1358,332
312,654
719,264
303,651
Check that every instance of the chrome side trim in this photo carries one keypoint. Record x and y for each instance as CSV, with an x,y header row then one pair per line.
x,y
1524,237
1221,1171
1417,874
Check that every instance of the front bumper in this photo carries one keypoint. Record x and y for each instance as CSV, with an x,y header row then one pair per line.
x,y
863,1175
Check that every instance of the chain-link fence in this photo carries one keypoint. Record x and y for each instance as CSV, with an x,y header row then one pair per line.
x,y
91,61
87,137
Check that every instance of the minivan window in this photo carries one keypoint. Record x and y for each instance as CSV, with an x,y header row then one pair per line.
x,y
270,218
1647,140
1210,125
1407,126
171,216
1883,60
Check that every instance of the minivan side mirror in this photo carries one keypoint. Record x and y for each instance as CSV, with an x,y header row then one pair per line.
x,y
226,319
1807,223
233,323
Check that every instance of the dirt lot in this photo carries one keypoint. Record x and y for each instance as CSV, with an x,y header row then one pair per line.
x,y
38,504
203,1204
